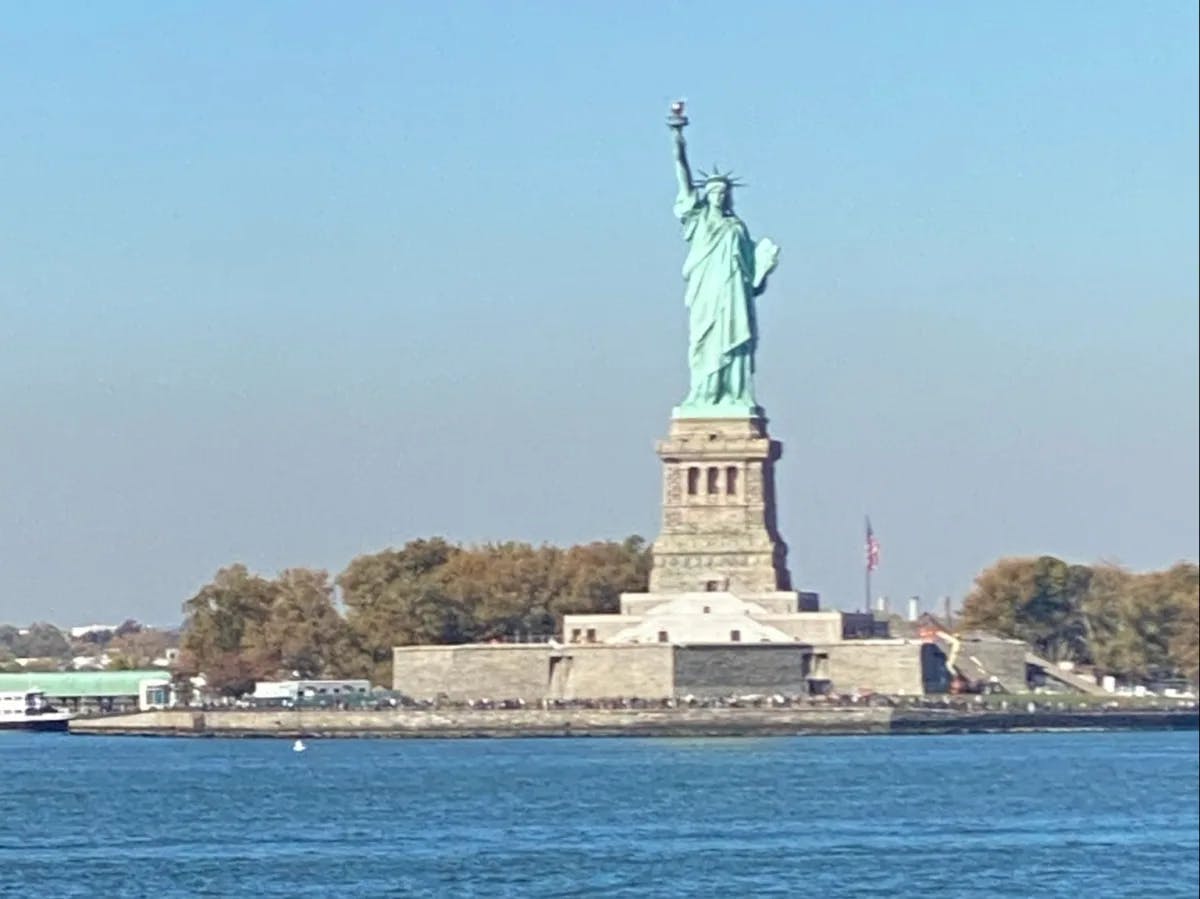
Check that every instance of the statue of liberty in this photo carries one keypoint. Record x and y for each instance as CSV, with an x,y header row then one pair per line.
x,y
725,270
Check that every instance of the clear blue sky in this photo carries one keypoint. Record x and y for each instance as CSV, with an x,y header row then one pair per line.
x,y
283,283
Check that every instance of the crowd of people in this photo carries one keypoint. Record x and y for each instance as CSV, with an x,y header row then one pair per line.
x,y
387,700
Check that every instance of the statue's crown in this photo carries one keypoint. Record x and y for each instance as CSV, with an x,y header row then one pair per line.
x,y
716,175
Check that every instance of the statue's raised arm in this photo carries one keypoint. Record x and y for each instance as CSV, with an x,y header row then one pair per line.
x,y
683,172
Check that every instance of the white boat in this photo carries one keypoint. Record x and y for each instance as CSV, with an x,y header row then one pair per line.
x,y
29,710
298,746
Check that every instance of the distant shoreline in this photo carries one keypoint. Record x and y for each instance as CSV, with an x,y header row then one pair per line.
x,y
686,722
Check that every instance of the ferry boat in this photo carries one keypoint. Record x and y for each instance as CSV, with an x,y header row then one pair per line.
x,y
29,710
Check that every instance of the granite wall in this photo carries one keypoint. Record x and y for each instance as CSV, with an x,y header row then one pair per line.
x,y
894,667
586,671
658,670
473,671
740,670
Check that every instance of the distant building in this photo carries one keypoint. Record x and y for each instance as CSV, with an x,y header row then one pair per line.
x,y
309,689
90,663
83,691
169,657
83,630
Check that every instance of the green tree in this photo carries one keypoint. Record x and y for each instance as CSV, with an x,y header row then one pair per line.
x,y
123,662
1036,600
1140,625
1105,611
41,641
9,636
1137,626
393,598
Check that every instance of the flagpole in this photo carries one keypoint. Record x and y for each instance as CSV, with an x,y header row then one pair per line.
x,y
871,558
867,563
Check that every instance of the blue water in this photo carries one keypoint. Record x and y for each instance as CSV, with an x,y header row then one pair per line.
x,y
1060,815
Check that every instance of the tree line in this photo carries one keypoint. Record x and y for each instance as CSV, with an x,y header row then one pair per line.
x,y
43,647
242,627
1131,625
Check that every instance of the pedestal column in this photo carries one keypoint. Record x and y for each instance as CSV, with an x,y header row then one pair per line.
x,y
718,525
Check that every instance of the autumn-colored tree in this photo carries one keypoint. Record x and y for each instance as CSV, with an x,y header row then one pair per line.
x,y
139,648
995,601
507,588
1183,647
1170,628
303,633
222,633
594,575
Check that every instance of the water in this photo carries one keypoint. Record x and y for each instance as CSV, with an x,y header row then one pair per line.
x,y
1058,815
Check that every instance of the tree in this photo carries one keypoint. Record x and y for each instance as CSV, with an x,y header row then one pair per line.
x,y
998,594
1143,625
141,647
507,589
223,631
1168,624
1183,647
594,575
392,598
42,641
124,662
8,638
1105,611
303,632
42,664
1137,626
1036,600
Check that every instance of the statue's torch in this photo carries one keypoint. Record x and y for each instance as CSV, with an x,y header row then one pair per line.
x,y
677,119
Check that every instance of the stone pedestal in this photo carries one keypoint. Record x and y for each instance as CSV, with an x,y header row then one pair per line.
x,y
718,528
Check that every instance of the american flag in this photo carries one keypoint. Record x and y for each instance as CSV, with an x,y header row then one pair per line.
x,y
872,548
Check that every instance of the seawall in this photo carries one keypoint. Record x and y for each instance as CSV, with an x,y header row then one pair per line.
x,y
687,722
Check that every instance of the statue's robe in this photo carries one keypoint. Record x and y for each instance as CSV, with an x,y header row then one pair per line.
x,y
719,271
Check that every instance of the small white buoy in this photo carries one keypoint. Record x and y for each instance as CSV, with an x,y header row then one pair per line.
x,y
298,746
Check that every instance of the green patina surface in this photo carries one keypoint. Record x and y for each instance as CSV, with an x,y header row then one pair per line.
x,y
718,410
724,271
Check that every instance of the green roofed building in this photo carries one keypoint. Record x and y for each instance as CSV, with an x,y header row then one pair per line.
x,y
94,690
